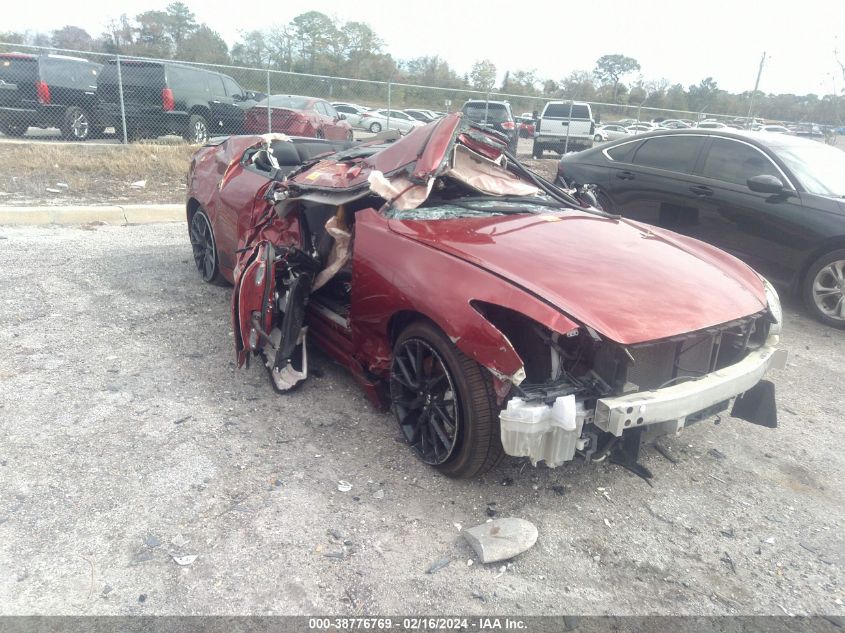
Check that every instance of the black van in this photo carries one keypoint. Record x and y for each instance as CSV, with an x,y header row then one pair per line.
x,y
48,91
167,98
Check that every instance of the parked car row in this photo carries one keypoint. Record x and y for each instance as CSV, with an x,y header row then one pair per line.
x,y
84,99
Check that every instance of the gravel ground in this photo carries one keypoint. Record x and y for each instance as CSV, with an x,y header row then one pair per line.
x,y
141,473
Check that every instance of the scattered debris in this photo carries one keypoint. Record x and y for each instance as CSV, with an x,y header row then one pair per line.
x,y
138,184
142,598
106,590
769,541
507,481
727,559
665,452
437,565
152,541
808,547
184,561
458,526
783,608
717,479
335,534
715,452
501,539
558,489
143,556
179,541
502,571
337,555
344,486
51,190
181,420
478,596
379,494
62,185
491,511
729,533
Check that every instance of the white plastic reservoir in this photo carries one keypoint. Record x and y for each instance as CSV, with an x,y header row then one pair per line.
x,y
541,432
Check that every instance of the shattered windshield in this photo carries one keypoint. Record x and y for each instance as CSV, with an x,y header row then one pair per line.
x,y
475,207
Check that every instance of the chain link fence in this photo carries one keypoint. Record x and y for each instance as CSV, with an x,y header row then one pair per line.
x,y
76,95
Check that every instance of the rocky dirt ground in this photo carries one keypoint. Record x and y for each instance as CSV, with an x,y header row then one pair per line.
x,y
141,473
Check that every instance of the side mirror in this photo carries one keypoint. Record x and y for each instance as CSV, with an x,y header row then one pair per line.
x,y
765,184
341,117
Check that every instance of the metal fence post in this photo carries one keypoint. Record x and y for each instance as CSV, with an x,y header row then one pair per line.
x,y
122,105
388,102
269,122
568,125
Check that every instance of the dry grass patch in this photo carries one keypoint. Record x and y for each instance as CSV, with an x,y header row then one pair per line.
x,y
64,173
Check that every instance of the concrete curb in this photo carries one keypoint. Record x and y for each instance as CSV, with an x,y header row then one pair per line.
x,y
107,214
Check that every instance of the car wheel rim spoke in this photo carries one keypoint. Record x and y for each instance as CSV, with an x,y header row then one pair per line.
x,y
829,290
422,398
203,246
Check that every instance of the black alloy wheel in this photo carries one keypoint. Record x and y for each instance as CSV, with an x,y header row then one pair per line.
x,y
204,247
424,400
444,403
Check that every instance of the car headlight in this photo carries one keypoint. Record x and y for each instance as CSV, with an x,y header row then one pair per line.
x,y
774,306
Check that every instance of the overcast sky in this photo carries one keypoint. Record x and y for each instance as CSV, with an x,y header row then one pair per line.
x,y
681,41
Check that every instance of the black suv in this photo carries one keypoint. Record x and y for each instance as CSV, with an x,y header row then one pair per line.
x,y
47,91
166,98
495,115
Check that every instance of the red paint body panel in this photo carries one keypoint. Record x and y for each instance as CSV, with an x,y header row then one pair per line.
x,y
391,274
630,284
306,122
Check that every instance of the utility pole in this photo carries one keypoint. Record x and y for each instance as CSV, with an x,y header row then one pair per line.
x,y
756,85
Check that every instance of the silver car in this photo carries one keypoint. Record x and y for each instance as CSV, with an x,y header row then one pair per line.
x,y
351,112
609,132
377,120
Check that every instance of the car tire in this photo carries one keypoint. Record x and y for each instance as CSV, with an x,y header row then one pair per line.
x,y
604,202
197,132
9,129
824,289
375,127
204,247
466,399
349,136
76,125
598,138
537,150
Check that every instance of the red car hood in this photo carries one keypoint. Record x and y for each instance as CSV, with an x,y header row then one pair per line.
x,y
630,282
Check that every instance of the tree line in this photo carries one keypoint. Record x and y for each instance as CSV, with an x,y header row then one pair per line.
x,y
315,43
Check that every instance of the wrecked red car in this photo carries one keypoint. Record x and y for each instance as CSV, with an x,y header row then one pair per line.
x,y
492,312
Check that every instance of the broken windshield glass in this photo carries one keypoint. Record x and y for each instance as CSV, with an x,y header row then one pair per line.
x,y
469,208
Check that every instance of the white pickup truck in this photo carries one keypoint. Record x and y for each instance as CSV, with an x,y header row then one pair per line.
x,y
560,118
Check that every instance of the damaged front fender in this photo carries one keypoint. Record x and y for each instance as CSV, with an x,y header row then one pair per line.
x,y
401,276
